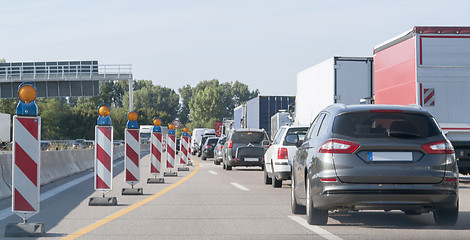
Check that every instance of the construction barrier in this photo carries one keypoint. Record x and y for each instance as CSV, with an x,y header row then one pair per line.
x,y
103,158
171,152
132,156
26,165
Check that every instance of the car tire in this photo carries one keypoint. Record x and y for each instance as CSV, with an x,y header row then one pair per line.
x,y
296,208
446,216
315,216
228,168
267,179
276,183
223,165
203,157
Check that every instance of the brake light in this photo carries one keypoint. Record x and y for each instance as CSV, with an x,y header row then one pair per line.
x,y
338,146
208,146
328,179
439,147
452,179
282,153
230,144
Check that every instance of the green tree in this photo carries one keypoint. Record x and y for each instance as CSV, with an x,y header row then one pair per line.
x,y
158,98
55,118
112,92
186,94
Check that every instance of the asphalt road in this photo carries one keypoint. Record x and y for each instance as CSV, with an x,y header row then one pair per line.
x,y
210,203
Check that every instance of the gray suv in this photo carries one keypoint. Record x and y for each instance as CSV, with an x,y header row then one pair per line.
x,y
245,147
374,157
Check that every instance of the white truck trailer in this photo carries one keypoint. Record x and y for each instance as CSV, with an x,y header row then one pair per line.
x,y
337,80
430,67
278,120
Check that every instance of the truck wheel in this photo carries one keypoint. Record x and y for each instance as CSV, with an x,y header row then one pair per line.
x,y
446,216
267,179
315,216
296,208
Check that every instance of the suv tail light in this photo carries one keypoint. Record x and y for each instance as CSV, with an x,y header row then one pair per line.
x,y
208,146
230,144
282,153
338,146
439,147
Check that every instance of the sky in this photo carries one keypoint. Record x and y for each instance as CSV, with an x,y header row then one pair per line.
x,y
261,43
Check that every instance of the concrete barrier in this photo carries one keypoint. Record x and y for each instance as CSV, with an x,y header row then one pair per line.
x,y
54,165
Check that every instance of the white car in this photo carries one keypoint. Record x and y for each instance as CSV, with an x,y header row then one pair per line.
x,y
278,157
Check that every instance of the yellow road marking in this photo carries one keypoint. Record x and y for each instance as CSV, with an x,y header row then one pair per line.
x,y
116,215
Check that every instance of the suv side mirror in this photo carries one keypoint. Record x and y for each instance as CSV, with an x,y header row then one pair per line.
x,y
292,139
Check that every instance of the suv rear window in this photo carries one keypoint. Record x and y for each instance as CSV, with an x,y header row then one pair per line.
x,y
384,124
248,137
212,141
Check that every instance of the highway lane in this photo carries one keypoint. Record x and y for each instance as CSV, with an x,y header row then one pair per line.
x,y
218,204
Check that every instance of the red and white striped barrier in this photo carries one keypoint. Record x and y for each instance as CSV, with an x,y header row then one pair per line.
x,y
170,149
132,153
184,150
156,157
26,165
103,158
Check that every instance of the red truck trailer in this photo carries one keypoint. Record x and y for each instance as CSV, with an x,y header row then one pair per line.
x,y
430,67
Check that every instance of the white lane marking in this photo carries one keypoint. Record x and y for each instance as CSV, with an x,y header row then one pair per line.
x,y
316,229
240,186
213,172
4,213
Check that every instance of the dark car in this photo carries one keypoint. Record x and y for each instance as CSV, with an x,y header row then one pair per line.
x,y
375,157
201,143
219,155
245,147
208,147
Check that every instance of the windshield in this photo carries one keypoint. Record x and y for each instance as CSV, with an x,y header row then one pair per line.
x,y
384,124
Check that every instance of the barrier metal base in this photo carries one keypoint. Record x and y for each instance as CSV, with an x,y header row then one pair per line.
x,y
189,163
25,230
102,201
170,174
132,191
156,180
183,168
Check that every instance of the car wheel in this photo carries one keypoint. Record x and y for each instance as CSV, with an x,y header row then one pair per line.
x,y
276,183
203,157
296,208
228,168
446,216
267,179
315,216
223,165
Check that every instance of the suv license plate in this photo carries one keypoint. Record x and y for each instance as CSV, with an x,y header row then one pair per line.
x,y
251,159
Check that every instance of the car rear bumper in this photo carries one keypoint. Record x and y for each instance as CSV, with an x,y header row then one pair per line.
x,y
393,197
242,162
282,175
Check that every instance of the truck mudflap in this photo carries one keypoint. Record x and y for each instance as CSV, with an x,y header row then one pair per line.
x,y
462,154
249,152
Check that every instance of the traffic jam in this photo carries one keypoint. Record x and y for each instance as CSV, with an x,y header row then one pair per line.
x,y
363,133
386,135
